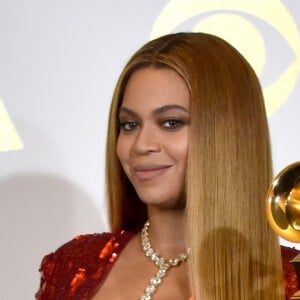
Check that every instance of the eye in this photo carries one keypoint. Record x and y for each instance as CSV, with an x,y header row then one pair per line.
x,y
128,125
172,123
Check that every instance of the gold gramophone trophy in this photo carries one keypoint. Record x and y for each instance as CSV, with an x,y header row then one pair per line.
x,y
283,209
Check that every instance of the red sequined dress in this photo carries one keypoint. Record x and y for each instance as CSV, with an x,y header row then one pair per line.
x,y
78,268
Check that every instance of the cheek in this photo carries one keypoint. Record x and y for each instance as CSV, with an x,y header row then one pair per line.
x,y
180,149
122,150
182,157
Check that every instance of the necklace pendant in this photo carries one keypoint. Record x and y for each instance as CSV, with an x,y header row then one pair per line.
x,y
163,264
155,281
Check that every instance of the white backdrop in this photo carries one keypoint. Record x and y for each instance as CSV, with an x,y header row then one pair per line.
x,y
59,61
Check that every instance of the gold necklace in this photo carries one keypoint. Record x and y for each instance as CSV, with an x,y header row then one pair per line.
x,y
163,264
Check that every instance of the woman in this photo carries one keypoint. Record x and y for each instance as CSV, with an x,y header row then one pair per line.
x,y
187,149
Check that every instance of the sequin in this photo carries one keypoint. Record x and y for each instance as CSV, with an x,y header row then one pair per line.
x,y
290,278
78,268
113,257
77,280
107,250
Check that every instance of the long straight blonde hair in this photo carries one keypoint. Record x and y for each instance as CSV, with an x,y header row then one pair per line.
x,y
234,253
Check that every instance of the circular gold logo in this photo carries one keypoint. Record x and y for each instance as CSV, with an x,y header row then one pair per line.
x,y
228,19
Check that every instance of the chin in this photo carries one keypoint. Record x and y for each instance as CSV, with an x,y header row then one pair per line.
x,y
163,203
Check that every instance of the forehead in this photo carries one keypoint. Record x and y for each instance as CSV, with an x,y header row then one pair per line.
x,y
152,87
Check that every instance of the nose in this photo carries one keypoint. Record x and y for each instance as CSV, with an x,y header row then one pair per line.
x,y
147,141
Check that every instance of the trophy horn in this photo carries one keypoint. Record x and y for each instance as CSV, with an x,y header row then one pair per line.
x,y
283,203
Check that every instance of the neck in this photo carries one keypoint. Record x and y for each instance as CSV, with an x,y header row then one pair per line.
x,y
167,231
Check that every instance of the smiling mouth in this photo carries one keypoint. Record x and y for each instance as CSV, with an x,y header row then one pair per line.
x,y
150,172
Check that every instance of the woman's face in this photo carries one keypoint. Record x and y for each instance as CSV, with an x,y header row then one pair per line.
x,y
153,140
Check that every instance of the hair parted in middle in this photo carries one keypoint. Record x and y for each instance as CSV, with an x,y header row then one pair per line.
x,y
235,255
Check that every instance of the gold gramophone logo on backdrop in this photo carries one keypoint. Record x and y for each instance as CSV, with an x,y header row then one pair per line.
x,y
232,20
9,137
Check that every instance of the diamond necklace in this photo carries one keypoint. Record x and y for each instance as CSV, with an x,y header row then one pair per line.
x,y
163,264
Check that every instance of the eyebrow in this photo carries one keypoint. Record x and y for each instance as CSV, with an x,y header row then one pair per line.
x,y
156,111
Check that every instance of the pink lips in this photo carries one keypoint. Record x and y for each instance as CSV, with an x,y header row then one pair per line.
x,y
150,172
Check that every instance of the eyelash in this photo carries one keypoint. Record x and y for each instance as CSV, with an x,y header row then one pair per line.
x,y
128,125
172,123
